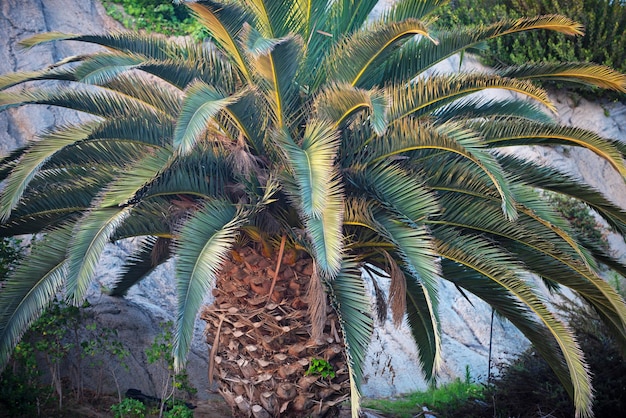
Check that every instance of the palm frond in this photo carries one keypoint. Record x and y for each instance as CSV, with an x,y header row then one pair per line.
x,y
582,72
31,287
152,253
509,133
102,68
418,56
224,23
349,299
472,108
425,330
98,102
552,179
429,94
356,60
149,45
276,63
13,79
411,9
337,103
203,244
90,235
142,171
200,105
34,158
498,266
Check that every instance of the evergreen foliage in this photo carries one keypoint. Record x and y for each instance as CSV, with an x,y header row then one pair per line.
x,y
604,21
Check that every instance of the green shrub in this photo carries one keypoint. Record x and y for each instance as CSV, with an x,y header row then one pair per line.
x,y
129,408
160,16
604,41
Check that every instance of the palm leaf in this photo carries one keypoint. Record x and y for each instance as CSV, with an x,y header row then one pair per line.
x,y
203,244
31,287
349,299
141,263
337,103
506,133
90,235
582,72
102,68
356,60
224,23
200,105
425,331
34,159
479,255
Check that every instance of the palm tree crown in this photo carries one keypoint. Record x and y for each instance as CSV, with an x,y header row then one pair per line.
x,y
304,123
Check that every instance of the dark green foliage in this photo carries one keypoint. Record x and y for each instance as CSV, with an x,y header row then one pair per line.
x,y
604,41
161,16
10,253
581,219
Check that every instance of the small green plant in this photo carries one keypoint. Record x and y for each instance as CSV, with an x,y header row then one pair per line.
x,y
320,367
104,342
129,408
178,411
172,384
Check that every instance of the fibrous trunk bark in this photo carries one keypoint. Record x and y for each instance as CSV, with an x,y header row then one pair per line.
x,y
261,343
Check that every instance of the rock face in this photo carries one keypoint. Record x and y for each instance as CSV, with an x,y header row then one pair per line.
x,y
392,366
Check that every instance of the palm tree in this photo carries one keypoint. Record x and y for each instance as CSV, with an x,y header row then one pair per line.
x,y
302,146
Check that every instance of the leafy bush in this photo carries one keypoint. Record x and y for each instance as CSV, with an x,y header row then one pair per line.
x,y
161,16
129,408
604,41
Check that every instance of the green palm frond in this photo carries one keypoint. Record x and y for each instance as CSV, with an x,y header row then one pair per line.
x,y
552,179
166,100
483,257
103,68
54,197
276,18
203,244
135,177
312,163
224,23
31,287
151,46
13,79
105,103
582,72
337,103
399,190
356,59
34,159
410,9
509,132
90,235
471,108
509,307
425,330
428,94
349,298
275,61
201,104
325,230
347,16
152,252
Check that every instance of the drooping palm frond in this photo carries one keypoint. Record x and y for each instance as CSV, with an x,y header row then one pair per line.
x,y
204,242
482,256
151,253
32,287
349,298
